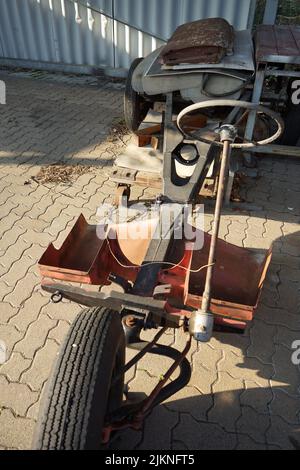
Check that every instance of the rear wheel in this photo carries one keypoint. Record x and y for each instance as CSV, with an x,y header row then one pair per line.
x,y
79,393
135,106
291,135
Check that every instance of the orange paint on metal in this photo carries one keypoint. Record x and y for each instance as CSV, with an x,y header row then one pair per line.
x,y
237,283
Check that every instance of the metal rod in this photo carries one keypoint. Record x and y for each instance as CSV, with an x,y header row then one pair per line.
x,y
277,150
216,226
140,354
132,415
151,399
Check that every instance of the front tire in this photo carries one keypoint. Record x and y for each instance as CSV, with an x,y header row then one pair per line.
x,y
79,393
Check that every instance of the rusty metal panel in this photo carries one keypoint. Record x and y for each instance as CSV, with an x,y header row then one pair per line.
x,y
278,44
237,282
204,41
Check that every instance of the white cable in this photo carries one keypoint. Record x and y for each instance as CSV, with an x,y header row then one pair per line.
x,y
194,271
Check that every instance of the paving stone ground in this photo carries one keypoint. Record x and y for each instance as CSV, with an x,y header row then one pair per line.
x,y
244,392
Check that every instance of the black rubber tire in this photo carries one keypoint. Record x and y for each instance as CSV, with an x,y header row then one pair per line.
x,y
291,134
135,106
79,393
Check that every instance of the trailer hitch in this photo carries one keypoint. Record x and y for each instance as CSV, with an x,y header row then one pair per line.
x,y
119,301
114,300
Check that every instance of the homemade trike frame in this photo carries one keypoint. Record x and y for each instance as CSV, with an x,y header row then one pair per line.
x,y
165,283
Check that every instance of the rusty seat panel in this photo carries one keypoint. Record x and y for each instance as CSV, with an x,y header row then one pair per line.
x,y
203,41
278,44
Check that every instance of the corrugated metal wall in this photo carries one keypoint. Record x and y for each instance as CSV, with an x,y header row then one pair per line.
x,y
69,32
56,31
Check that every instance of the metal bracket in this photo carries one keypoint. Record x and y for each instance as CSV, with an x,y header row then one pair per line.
x,y
115,300
118,301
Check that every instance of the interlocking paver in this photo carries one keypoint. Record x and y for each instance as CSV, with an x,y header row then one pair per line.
x,y
15,432
253,424
22,291
246,443
289,296
10,335
247,368
279,432
203,435
15,366
34,224
244,390
235,344
58,333
285,406
33,410
162,439
13,254
286,336
277,316
11,237
33,237
16,396
36,335
262,341
256,397
197,404
287,375
205,372
226,407
7,223
41,366
7,311
64,311
17,271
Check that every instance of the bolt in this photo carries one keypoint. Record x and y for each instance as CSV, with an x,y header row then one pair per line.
x,y
130,321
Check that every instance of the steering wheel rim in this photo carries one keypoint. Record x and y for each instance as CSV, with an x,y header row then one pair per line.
x,y
233,103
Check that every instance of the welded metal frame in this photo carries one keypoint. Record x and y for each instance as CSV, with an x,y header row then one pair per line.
x,y
147,304
172,190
